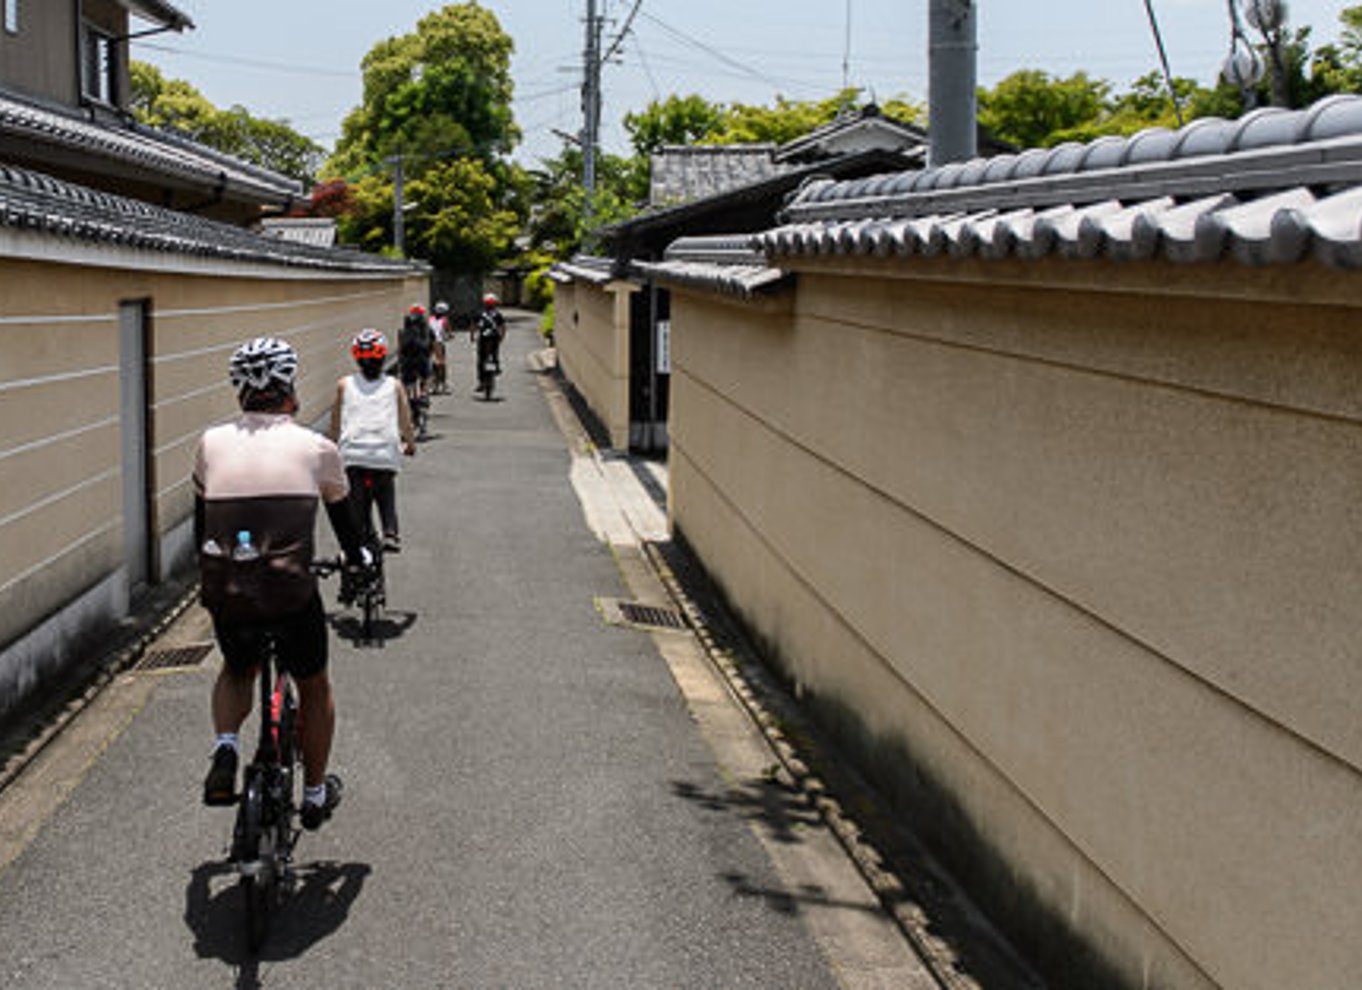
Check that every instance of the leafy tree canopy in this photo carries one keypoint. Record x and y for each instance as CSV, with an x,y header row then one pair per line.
x,y
694,120
441,91
438,99
175,105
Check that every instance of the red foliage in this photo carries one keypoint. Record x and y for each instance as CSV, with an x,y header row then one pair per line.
x,y
330,199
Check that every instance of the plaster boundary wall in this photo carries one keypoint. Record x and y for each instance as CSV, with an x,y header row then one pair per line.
x,y
1064,551
64,578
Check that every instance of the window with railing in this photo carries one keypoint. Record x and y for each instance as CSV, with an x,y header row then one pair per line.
x,y
99,65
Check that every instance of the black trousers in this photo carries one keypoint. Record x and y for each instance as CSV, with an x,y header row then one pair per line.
x,y
370,486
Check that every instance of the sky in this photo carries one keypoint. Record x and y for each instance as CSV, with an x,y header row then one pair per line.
x,y
299,60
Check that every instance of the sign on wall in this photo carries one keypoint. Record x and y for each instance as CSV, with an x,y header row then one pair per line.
x,y
664,347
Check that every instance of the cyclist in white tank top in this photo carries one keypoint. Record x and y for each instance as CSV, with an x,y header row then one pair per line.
x,y
371,424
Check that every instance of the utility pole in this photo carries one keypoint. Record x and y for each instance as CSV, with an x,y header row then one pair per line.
x,y
952,107
399,214
591,100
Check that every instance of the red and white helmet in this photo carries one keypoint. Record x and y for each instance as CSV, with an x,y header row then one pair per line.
x,y
491,300
369,343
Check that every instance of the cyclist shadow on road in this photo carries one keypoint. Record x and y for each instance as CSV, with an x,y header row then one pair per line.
x,y
391,625
315,908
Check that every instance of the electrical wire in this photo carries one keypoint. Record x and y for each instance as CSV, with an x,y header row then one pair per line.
x,y
619,38
1163,59
294,68
714,53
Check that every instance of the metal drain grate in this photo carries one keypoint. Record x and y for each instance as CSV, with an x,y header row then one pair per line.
x,y
175,656
620,613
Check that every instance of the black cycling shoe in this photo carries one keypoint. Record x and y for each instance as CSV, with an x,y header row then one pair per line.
x,y
219,787
392,543
313,815
349,587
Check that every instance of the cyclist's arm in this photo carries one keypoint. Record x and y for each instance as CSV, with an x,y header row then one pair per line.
x,y
404,423
342,515
334,489
333,430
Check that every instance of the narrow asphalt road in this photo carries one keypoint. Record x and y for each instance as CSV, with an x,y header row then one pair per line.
x,y
529,800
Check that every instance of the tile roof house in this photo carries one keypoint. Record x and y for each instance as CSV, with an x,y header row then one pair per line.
x,y
131,272
708,190
64,95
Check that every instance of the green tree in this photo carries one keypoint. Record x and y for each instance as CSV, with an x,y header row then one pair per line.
x,y
442,91
1031,109
438,99
790,119
174,104
675,120
458,222
558,220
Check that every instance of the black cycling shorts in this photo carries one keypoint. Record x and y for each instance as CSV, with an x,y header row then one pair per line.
x,y
301,638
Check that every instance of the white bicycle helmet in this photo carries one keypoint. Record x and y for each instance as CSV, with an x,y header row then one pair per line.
x,y
263,361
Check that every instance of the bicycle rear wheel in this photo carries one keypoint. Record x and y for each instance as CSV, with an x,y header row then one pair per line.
x,y
253,852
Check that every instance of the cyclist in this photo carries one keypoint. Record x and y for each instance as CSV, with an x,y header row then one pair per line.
x,y
443,331
415,344
257,482
489,330
371,423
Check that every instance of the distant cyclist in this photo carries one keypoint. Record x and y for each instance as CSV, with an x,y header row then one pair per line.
x,y
371,423
415,348
489,329
258,481
442,330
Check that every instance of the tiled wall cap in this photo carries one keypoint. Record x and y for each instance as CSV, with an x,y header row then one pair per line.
x,y
1269,127
1334,116
1107,151
1154,144
1065,158
1031,163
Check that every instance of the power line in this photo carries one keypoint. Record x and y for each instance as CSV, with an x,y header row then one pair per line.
x,y
1163,59
291,67
712,52
619,38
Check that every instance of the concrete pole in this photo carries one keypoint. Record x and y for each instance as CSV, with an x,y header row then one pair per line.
x,y
952,105
591,99
399,214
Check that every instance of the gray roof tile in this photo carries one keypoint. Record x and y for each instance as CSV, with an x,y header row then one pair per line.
x,y
158,152
1270,188
33,201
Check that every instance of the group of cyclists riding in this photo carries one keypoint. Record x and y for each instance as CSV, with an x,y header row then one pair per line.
x,y
258,481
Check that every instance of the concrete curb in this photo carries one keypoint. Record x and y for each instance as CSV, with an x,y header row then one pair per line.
x,y
109,667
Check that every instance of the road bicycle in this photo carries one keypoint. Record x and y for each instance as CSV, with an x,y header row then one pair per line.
x,y
367,589
267,828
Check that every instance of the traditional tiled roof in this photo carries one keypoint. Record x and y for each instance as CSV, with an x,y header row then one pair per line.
x,y
159,12
160,154
584,268
318,231
683,173
722,264
1273,186
31,201
865,128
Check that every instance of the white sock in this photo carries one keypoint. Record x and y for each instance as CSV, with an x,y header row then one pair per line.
x,y
227,739
314,795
